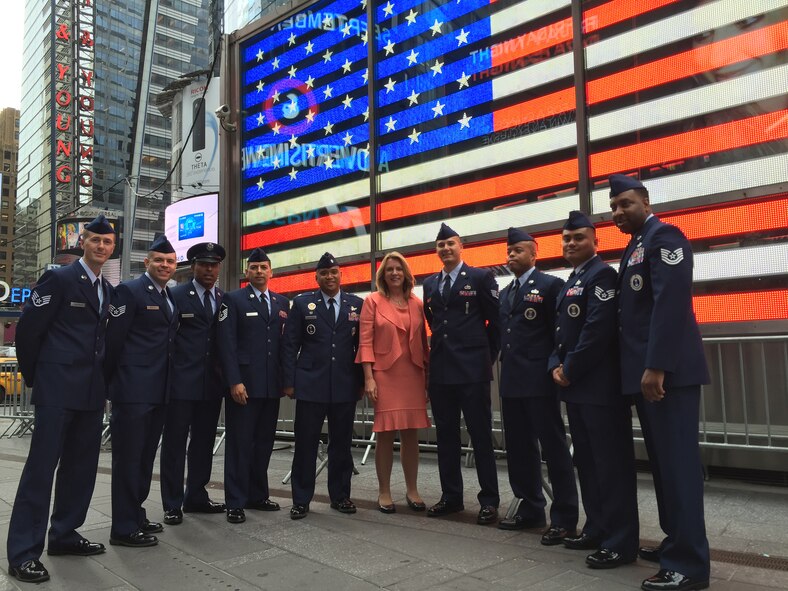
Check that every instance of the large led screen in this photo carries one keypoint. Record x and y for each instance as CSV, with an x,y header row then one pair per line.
x,y
190,221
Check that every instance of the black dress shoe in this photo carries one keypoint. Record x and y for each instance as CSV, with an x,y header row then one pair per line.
x,y
605,558
173,516
139,539
650,553
520,522
668,580
344,506
387,509
264,505
206,507
31,571
414,505
298,511
444,507
151,527
81,548
487,514
554,535
236,516
581,542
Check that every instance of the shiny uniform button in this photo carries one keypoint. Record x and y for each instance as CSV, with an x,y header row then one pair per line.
x,y
445,322
557,329
333,359
508,330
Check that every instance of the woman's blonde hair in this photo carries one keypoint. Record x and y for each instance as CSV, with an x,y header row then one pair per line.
x,y
380,275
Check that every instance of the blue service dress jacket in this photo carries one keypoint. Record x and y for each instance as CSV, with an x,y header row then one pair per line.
x,y
195,360
61,340
657,327
585,336
140,337
465,331
527,336
319,355
249,345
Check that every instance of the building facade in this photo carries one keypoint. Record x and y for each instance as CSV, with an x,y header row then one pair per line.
x,y
117,148
9,146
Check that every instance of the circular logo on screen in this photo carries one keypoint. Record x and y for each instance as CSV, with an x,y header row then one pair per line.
x,y
295,108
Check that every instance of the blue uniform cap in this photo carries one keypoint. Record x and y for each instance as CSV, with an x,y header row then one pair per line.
x,y
577,220
445,233
326,261
516,235
206,252
162,245
100,225
258,256
621,182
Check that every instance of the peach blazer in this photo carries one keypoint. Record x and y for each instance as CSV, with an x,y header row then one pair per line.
x,y
379,323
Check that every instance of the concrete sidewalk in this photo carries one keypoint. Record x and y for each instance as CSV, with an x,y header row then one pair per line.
x,y
747,524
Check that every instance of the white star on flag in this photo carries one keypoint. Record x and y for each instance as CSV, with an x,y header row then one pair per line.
x,y
437,68
391,123
260,183
412,57
260,86
310,151
414,136
462,37
365,75
463,80
436,27
309,47
346,29
363,3
276,128
414,98
275,63
310,116
293,172
346,66
329,128
347,100
276,162
327,56
328,22
347,138
389,47
291,39
390,85
327,91
366,114
260,151
293,141
438,109
309,81
260,119
259,55
465,121
364,37
388,9
276,96
328,162
411,17
292,71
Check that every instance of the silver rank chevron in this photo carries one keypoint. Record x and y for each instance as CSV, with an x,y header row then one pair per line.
x,y
672,258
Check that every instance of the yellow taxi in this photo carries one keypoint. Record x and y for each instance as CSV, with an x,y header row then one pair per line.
x,y
10,379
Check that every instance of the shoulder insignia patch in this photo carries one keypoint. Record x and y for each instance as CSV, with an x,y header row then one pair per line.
x,y
604,295
223,311
39,301
671,258
116,312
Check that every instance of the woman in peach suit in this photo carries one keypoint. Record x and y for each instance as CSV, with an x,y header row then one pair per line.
x,y
393,352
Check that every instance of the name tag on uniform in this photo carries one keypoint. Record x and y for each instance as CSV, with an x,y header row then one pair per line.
x,y
252,314
77,304
187,315
310,317
152,307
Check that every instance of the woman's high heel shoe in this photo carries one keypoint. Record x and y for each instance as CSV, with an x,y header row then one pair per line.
x,y
414,505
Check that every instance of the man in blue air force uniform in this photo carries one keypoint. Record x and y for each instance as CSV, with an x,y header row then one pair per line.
x,y
529,401
461,306
60,345
197,390
585,367
321,340
251,323
140,335
663,366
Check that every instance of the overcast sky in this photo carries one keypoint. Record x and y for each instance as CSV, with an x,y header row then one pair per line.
x,y
11,25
